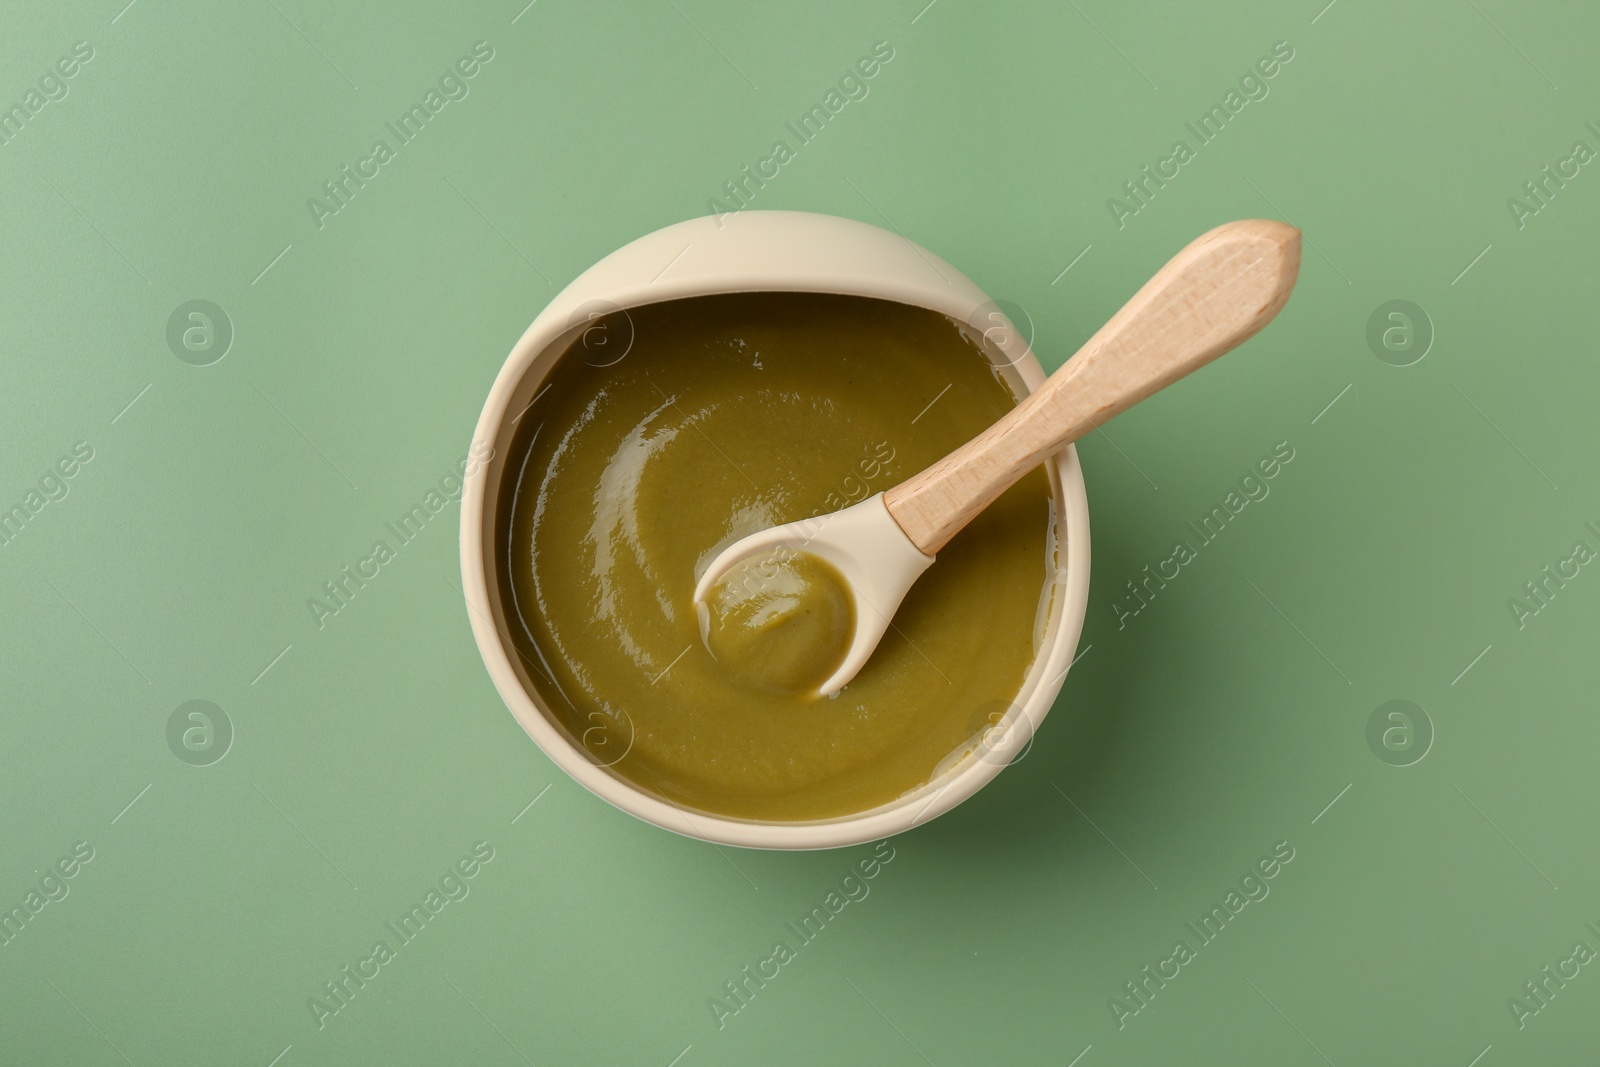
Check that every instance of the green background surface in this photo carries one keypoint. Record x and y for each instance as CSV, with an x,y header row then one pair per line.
x,y
1227,716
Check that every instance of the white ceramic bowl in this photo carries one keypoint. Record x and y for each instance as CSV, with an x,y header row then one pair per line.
x,y
766,251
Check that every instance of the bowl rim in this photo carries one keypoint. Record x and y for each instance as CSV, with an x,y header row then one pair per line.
x,y
768,251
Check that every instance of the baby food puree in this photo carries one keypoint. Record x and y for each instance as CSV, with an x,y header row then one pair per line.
x,y
780,622
727,415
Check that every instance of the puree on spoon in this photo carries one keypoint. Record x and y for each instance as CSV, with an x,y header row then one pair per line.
x,y
730,414
780,622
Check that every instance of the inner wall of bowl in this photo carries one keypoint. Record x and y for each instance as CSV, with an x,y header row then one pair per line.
x,y
1051,604
498,470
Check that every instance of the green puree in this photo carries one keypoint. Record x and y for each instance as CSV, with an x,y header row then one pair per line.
x,y
781,622
730,414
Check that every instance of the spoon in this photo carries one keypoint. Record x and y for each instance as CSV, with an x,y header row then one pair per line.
x,y
1209,298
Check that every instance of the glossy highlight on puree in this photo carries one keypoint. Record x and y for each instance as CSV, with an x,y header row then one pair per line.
x,y
728,414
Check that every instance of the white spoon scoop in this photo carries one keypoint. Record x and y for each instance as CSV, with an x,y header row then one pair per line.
x,y
1209,298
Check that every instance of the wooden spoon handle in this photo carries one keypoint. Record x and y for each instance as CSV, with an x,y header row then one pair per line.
x,y
1209,298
